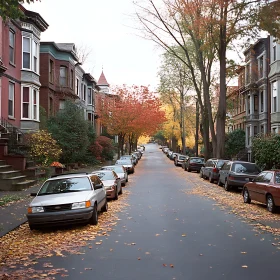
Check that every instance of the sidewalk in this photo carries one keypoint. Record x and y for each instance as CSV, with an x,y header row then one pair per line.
x,y
13,214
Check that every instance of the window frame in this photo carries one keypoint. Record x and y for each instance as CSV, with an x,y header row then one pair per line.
x,y
23,52
63,78
12,47
12,100
33,109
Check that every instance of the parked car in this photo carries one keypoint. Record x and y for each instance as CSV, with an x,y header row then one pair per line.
x,y
138,154
165,150
264,188
67,199
237,173
169,153
132,157
120,171
173,155
127,164
193,164
111,182
211,169
179,159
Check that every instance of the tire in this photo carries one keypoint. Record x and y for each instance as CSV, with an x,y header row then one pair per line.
x,y
105,207
227,186
120,190
246,196
211,180
116,195
127,179
189,170
270,204
123,184
219,183
200,174
32,227
94,218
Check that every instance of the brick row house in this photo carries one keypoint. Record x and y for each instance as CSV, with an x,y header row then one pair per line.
x,y
256,101
36,74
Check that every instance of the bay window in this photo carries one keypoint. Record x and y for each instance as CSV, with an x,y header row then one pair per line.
x,y
30,103
26,53
30,54
63,76
89,96
35,54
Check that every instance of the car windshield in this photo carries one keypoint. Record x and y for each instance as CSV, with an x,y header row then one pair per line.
x,y
117,168
182,157
123,162
245,167
221,162
197,160
105,175
65,185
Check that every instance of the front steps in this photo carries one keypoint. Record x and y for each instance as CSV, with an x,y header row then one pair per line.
x,y
13,180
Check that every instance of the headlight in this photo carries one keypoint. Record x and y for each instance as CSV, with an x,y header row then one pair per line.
x,y
35,209
80,205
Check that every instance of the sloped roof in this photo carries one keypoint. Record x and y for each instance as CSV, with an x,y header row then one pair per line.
x,y
102,80
66,47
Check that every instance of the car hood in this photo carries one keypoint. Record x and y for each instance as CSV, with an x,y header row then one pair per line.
x,y
61,198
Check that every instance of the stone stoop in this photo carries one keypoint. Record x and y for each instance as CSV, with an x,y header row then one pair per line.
x,y
13,180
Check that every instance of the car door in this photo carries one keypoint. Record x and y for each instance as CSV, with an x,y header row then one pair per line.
x,y
118,180
255,188
208,166
100,193
274,187
224,171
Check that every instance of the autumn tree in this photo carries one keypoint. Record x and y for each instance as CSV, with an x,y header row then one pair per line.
x,y
131,112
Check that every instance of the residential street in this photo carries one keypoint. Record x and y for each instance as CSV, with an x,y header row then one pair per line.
x,y
161,228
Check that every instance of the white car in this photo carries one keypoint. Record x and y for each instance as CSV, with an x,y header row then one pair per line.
x,y
120,170
67,199
127,164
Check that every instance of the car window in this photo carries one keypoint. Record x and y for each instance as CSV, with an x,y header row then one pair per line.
x,y
65,185
226,166
220,163
277,177
260,177
105,175
123,162
268,177
244,167
198,160
182,157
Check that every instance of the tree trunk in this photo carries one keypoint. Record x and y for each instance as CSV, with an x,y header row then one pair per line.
x,y
196,128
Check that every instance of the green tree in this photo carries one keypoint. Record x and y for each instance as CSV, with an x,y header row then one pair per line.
x,y
235,142
10,8
71,131
266,150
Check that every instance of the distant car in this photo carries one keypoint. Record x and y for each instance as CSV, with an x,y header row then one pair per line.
x,y
67,199
138,154
111,182
127,164
264,188
165,150
173,155
120,170
132,157
211,169
193,164
169,153
179,159
237,173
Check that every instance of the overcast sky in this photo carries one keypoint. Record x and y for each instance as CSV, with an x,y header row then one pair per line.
x,y
106,28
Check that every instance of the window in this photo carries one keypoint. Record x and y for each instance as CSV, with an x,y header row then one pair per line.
x,y
71,79
11,102
248,135
26,53
248,103
35,56
61,104
274,52
77,87
12,46
247,74
274,97
268,177
35,104
25,102
85,92
51,71
262,129
261,67
89,96
256,104
262,101
63,76
82,89
255,130
51,107
274,130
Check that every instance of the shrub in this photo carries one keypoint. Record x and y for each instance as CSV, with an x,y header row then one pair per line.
x,y
108,150
43,148
235,142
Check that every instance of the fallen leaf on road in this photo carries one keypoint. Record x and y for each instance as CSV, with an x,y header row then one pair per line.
x,y
184,235
244,266
164,264
171,265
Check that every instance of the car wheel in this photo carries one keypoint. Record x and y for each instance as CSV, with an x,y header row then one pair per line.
x,y
227,186
32,227
105,207
211,180
127,179
270,204
94,217
246,196
189,170
200,174
219,182
116,194
120,190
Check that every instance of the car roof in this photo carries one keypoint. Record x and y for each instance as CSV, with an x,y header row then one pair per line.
x,y
102,170
69,175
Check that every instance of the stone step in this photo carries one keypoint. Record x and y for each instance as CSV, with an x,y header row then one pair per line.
x,y
9,174
5,167
15,180
23,185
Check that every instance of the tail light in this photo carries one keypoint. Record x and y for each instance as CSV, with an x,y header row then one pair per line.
x,y
215,170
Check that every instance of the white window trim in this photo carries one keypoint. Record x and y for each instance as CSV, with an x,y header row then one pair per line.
x,y
89,102
32,39
31,102
14,46
30,50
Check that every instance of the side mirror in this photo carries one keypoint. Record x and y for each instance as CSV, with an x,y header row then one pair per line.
x,y
98,186
33,194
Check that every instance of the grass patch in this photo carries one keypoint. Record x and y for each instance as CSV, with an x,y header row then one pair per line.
x,y
8,199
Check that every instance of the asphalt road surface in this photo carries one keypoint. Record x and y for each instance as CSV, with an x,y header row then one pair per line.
x,y
168,234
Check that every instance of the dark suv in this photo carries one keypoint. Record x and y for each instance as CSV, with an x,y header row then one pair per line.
x,y
237,174
211,169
